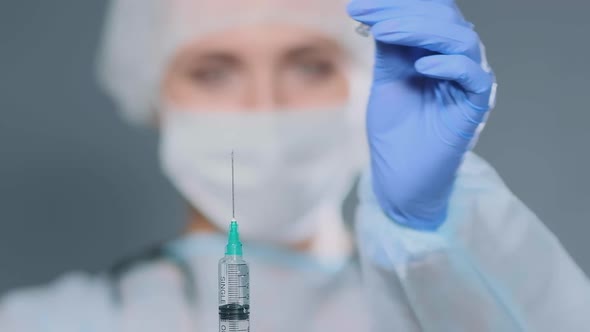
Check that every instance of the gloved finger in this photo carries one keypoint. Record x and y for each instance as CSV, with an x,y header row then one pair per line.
x,y
458,122
372,12
478,84
436,36
459,68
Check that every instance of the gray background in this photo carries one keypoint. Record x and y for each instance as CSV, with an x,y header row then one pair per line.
x,y
80,189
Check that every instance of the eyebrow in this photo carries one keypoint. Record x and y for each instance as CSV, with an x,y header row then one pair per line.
x,y
227,58
308,49
221,57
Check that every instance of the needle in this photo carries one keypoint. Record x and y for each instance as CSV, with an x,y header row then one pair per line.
x,y
233,203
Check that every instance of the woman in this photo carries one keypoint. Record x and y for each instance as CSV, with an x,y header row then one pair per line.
x,y
441,243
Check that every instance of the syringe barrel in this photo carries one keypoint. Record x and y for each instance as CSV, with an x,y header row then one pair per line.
x,y
234,281
234,294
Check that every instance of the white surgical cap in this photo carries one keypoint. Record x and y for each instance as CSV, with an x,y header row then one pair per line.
x,y
141,36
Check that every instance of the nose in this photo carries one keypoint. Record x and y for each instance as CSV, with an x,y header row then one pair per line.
x,y
261,93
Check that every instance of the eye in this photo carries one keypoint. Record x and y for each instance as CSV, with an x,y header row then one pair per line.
x,y
315,68
215,75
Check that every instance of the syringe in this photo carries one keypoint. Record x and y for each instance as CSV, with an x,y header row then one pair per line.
x,y
234,281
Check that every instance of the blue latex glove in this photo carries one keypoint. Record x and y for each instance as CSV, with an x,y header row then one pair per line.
x,y
431,92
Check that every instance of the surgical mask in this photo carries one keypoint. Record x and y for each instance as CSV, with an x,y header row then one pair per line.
x,y
289,164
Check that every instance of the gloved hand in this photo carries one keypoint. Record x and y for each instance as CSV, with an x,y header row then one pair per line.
x,y
431,93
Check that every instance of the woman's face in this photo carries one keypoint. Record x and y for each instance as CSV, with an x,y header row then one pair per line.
x,y
259,67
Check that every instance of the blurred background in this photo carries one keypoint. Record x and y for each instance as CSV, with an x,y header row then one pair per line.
x,y
80,188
